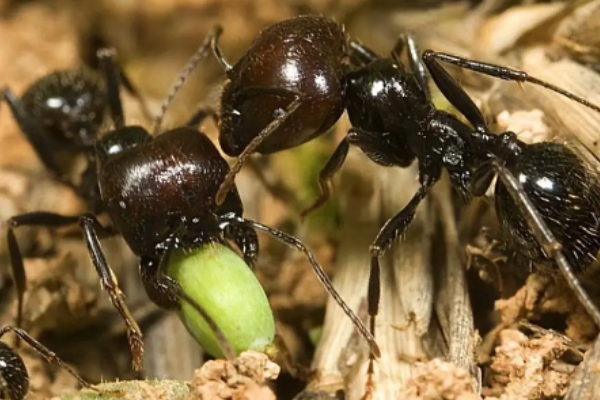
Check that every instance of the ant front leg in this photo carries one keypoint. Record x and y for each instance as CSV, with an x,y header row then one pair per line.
x,y
41,142
43,219
545,237
457,96
245,238
388,234
416,65
216,49
326,175
505,73
109,66
362,54
229,180
90,226
165,292
43,351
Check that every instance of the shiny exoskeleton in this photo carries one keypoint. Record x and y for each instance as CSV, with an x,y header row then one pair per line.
x,y
566,193
14,378
279,96
160,195
547,198
299,75
304,55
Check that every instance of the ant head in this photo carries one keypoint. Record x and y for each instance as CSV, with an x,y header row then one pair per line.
x,y
121,139
69,105
13,374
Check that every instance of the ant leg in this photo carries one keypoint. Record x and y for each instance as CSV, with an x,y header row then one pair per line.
x,y
228,182
509,74
322,276
198,56
216,48
388,234
456,95
43,351
89,225
245,238
45,219
545,238
200,115
331,168
108,64
362,53
482,179
165,292
35,134
416,65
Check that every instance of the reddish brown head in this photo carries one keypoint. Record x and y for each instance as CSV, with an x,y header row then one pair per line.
x,y
304,55
157,188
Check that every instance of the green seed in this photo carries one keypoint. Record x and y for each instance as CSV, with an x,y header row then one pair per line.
x,y
221,282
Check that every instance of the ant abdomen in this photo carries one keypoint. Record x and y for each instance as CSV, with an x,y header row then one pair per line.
x,y
303,56
69,105
14,382
565,192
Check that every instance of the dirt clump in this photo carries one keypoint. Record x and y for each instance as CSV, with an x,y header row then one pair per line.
x,y
241,379
439,380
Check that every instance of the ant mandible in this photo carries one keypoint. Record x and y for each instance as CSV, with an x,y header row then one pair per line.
x,y
159,193
14,378
298,76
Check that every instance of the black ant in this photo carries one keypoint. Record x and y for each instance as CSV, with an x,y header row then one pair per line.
x,y
300,74
159,193
14,378
64,111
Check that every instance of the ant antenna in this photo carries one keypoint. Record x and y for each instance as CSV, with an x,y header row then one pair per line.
x,y
198,56
229,180
508,74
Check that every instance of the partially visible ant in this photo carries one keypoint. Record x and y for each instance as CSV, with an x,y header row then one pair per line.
x,y
64,111
160,195
298,76
14,378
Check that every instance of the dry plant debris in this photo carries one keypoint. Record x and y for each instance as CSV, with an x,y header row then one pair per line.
x,y
439,380
242,379
522,367
543,295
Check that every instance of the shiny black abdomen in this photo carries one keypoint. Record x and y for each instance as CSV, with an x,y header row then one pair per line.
x,y
567,195
14,374
69,106
304,54
166,186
